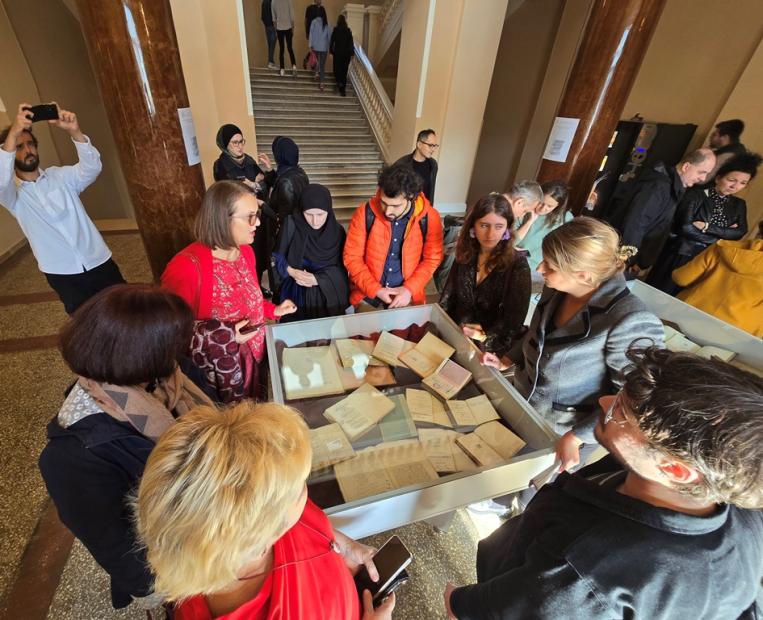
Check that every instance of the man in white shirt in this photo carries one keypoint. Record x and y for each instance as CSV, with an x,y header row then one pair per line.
x,y
69,249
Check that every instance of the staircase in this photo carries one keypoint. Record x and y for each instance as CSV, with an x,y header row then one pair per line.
x,y
336,146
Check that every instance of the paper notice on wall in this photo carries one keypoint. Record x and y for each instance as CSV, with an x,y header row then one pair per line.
x,y
189,136
560,140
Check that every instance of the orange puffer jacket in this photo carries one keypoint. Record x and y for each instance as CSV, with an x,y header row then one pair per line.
x,y
365,258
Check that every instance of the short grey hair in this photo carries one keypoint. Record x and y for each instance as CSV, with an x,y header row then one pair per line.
x,y
530,191
696,157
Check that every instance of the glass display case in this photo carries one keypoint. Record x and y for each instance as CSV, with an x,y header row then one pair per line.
x,y
380,460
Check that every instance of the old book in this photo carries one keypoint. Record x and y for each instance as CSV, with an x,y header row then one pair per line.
x,y
357,413
383,468
398,424
479,450
709,352
448,379
439,414
308,372
472,411
330,446
354,352
355,376
420,405
676,341
440,447
500,438
427,355
389,347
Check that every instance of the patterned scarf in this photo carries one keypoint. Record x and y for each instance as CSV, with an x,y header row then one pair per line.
x,y
149,413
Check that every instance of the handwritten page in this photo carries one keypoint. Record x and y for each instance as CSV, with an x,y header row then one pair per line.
x,y
438,444
439,415
448,379
308,372
420,405
330,446
361,410
500,438
479,450
427,355
389,347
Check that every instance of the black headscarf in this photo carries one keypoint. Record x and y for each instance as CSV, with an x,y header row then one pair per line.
x,y
286,153
322,246
224,135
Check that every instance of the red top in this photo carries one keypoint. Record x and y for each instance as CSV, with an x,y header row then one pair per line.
x,y
189,275
309,580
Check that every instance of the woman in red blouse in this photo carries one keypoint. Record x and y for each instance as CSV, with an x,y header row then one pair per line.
x,y
217,276
229,531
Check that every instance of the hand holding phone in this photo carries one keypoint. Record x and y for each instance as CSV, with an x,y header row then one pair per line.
x,y
44,112
390,561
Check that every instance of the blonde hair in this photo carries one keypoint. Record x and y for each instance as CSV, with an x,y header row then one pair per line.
x,y
585,244
216,493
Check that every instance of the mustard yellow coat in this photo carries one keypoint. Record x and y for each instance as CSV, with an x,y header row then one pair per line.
x,y
726,280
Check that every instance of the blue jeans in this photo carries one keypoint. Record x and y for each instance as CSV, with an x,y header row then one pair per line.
x,y
321,64
270,35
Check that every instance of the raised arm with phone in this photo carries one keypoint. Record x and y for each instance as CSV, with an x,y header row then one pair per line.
x,y
45,201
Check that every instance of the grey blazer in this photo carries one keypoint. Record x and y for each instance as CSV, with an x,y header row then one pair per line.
x,y
566,371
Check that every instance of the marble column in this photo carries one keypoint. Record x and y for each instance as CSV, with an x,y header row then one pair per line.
x,y
135,57
356,15
615,40
374,26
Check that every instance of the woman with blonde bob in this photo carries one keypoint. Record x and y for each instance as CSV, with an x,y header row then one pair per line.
x,y
229,531
580,332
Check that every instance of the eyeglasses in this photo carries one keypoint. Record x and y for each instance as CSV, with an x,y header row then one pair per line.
x,y
241,142
252,218
431,146
610,415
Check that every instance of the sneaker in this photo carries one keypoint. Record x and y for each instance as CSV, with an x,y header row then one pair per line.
x,y
282,72
294,70
489,506
271,65
322,87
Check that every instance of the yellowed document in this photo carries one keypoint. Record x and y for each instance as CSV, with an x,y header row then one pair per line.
x,y
330,446
420,405
354,352
308,372
427,355
438,444
357,413
500,438
356,376
448,379
479,450
389,347
439,415
472,411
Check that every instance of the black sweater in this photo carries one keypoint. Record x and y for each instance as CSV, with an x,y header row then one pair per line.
x,y
583,550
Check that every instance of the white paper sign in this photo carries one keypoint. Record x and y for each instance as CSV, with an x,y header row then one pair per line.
x,y
189,136
560,140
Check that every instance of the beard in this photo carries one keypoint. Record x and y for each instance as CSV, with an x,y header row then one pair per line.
x,y
30,164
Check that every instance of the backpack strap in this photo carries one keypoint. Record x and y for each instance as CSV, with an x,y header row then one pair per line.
x,y
370,218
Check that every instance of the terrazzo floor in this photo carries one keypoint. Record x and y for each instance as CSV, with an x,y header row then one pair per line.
x,y
33,385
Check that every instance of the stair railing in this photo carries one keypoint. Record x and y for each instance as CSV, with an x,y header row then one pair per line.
x,y
373,99
390,25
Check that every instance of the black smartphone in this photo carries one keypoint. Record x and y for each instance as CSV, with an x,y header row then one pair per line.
x,y
44,112
391,561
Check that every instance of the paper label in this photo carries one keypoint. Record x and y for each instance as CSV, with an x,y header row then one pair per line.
x,y
189,136
560,139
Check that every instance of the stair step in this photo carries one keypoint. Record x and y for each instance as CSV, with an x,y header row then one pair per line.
x,y
299,92
309,116
346,173
332,160
316,130
276,105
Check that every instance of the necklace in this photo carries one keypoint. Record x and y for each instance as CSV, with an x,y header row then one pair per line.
x,y
332,546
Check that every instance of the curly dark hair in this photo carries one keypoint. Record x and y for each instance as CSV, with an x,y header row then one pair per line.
x,y
468,248
400,179
706,412
747,163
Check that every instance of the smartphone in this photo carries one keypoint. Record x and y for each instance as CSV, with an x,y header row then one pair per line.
x,y
250,327
391,560
44,112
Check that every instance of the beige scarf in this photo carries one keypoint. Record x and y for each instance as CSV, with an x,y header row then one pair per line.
x,y
150,413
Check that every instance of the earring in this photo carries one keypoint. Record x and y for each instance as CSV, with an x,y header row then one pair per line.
x,y
472,234
506,236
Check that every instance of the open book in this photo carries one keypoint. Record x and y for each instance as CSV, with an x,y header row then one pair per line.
x,y
448,379
472,411
427,355
354,353
389,348
308,372
445,455
357,413
491,444
355,376
330,446
676,341
383,468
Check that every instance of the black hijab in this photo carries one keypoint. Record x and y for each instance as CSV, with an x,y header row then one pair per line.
x,y
323,246
286,153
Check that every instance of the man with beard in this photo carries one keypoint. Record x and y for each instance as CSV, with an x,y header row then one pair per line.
x,y
671,527
69,249
394,243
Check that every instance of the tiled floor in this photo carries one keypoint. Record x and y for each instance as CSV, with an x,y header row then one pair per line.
x,y
34,378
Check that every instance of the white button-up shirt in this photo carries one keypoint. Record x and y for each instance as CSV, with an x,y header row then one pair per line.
x,y
62,236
